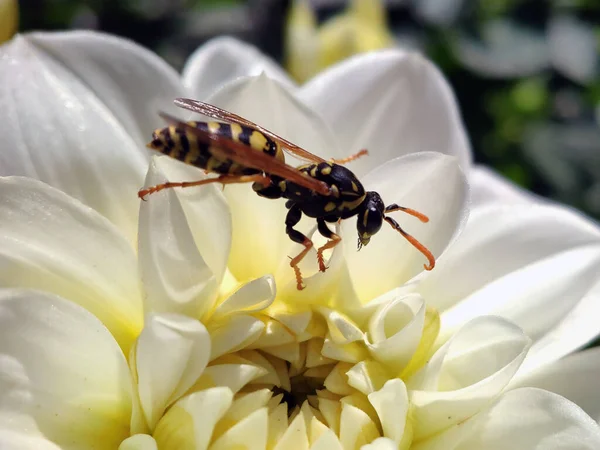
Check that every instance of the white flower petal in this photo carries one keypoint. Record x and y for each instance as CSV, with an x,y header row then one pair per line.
x,y
232,376
269,104
574,329
574,377
51,242
191,421
61,367
524,419
329,441
543,272
431,183
171,354
224,59
259,242
251,297
10,439
175,277
206,212
356,427
139,442
574,48
381,444
236,333
249,433
295,436
131,81
516,236
488,187
391,404
466,374
395,329
68,117
389,102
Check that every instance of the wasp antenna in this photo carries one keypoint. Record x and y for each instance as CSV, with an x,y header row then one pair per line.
x,y
393,207
350,158
416,244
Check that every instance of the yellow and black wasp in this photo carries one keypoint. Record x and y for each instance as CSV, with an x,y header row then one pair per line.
x,y
241,151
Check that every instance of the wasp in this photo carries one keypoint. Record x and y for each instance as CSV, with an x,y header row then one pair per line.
x,y
241,151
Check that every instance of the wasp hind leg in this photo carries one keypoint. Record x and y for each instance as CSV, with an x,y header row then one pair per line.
x,y
223,179
293,217
334,240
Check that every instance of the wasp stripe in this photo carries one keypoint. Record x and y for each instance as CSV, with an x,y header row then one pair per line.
x,y
245,135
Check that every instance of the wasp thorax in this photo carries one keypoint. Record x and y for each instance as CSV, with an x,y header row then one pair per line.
x,y
370,218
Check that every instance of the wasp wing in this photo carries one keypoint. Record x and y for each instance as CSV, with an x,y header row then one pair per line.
x,y
217,113
242,154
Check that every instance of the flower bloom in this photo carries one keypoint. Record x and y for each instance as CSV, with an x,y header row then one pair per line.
x,y
310,48
165,329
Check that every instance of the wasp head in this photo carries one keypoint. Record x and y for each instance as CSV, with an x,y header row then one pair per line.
x,y
370,218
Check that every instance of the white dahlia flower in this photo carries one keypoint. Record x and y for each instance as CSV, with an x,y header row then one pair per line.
x,y
176,323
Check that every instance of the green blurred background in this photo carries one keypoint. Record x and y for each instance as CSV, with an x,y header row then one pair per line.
x,y
526,73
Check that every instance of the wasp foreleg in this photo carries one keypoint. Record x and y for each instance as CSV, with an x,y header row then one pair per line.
x,y
334,240
293,217
223,179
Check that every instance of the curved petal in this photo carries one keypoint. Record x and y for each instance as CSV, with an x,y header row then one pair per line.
x,y
51,242
575,328
15,440
139,442
234,334
381,444
466,374
391,102
191,422
516,236
131,81
392,406
268,103
249,433
543,272
61,131
489,187
527,419
259,242
395,330
171,354
574,377
224,59
431,183
62,375
249,298
206,211
175,276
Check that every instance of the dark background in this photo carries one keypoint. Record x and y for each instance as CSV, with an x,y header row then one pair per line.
x,y
526,73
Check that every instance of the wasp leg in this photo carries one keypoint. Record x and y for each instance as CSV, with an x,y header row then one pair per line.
x,y
223,179
334,240
293,217
350,158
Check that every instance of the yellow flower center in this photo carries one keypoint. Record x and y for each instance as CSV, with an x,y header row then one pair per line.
x,y
313,373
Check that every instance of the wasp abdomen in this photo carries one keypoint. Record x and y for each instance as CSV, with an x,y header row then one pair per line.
x,y
181,144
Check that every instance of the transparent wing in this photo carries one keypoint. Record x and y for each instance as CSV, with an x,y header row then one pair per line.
x,y
226,116
242,154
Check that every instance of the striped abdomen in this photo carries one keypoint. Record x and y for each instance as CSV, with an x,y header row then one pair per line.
x,y
179,143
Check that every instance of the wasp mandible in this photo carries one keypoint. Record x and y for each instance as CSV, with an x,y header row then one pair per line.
x,y
240,151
